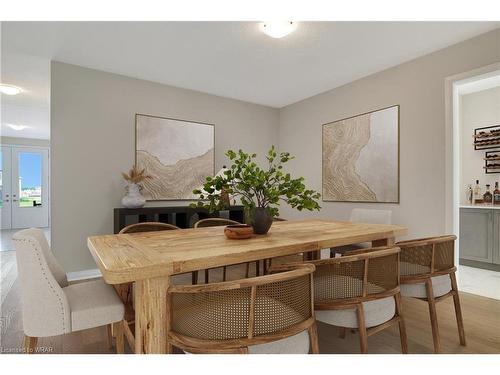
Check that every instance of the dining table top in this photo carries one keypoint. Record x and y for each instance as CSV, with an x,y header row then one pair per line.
x,y
137,256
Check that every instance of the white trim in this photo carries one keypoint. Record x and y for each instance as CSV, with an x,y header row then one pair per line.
x,y
84,274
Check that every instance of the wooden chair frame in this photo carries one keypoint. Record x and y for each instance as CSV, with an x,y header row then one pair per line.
x,y
240,345
407,247
365,255
215,222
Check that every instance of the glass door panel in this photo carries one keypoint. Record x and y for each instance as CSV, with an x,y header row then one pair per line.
x,y
30,187
30,179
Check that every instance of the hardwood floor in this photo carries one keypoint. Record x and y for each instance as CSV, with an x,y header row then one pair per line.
x,y
481,319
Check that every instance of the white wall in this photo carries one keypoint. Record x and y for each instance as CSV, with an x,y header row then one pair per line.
x,y
418,87
93,135
477,109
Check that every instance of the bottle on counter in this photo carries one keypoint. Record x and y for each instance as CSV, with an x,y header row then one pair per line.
x,y
487,196
477,193
470,194
496,194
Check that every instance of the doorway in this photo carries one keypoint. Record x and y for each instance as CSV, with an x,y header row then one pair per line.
x,y
473,103
24,190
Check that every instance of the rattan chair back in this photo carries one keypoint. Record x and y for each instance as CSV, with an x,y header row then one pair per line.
x,y
427,257
357,277
232,315
150,226
214,222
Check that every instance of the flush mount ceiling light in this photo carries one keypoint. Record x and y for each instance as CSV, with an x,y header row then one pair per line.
x,y
9,89
278,29
17,127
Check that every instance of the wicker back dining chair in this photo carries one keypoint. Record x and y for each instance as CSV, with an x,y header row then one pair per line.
x,y
265,314
428,273
360,291
216,222
125,291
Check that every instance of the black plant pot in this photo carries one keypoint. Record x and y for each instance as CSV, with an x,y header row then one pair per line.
x,y
261,220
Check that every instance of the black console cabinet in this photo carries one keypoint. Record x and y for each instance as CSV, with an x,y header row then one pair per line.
x,y
181,216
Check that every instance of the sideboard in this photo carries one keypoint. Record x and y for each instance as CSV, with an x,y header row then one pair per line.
x,y
181,216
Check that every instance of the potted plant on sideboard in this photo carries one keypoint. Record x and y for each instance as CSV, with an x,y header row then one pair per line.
x,y
260,189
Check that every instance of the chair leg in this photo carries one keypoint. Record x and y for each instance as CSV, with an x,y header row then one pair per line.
x,y
109,336
458,309
402,326
120,343
247,270
313,338
433,315
363,335
30,344
194,277
342,332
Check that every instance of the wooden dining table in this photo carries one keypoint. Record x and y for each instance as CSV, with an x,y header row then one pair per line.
x,y
149,259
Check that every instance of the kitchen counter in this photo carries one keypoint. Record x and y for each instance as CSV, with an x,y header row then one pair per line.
x,y
481,205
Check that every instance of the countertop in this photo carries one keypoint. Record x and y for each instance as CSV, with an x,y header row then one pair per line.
x,y
480,205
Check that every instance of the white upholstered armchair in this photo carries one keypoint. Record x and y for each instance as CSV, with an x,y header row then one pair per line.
x,y
52,307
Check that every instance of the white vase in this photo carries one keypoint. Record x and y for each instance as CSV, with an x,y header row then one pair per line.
x,y
133,197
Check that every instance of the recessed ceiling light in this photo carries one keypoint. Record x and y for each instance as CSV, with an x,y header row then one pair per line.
x,y
9,89
278,29
17,127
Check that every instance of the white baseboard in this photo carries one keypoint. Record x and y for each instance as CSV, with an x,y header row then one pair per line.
x,y
84,274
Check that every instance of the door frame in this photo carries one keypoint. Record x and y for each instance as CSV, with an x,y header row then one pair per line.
x,y
48,149
6,211
452,146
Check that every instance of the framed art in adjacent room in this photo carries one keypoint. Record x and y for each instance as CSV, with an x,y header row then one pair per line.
x,y
360,158
177,154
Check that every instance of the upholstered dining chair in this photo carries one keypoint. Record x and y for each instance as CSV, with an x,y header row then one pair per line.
x,y
215,222
125,291
266,314
360,291
367,216
50,306
428,273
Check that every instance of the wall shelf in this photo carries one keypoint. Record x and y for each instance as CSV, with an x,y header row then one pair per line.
x,y
492,162
487,137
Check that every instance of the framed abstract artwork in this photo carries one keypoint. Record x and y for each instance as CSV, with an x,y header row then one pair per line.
x,y
177,154
361,158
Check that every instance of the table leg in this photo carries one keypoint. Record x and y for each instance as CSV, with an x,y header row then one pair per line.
x,y
390,241
152,316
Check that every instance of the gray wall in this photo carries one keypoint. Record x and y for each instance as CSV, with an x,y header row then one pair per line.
x,y
418,87
93,135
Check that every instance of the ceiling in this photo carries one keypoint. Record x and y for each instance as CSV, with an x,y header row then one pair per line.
x,y
229,59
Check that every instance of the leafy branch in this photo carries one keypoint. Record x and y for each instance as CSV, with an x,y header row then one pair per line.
x,y
256,186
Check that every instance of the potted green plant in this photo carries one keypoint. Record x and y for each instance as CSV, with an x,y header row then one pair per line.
x,y
260,189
